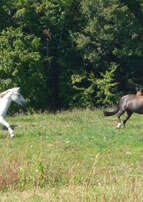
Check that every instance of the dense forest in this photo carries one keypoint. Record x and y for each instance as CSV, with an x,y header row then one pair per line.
x,y
71,53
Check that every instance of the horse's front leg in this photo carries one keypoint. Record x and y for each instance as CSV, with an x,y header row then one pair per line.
x,y
6,124
119,120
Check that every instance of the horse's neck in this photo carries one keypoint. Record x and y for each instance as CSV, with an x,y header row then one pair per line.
x,y
4,104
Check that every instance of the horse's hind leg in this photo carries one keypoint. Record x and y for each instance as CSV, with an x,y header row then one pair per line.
x,y
3,122
129,114
119,120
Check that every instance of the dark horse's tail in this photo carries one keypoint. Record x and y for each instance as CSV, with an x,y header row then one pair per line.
x,y
113,112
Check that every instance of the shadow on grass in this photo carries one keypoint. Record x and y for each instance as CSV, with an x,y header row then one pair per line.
x,y
5,128
6,135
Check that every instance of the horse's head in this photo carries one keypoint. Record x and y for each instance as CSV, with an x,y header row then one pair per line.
x,y
16,96
139,91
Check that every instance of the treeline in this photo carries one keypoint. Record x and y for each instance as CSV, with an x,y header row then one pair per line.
x,y
71,53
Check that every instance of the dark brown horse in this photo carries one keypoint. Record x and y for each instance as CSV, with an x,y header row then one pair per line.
x,y
129,104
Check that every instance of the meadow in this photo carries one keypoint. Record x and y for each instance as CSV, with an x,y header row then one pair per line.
x,y
74,155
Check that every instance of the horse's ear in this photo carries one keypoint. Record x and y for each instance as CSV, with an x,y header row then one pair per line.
x,y
137,89
17,89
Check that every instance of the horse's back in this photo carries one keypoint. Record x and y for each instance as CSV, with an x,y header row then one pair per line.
x,y
133,103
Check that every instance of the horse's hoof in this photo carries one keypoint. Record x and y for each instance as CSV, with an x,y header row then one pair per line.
x,y
119,125
12,136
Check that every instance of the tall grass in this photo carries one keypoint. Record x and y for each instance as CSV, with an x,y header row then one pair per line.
x,y
71,156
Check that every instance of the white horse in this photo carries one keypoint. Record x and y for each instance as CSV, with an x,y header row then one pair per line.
x,y
5,100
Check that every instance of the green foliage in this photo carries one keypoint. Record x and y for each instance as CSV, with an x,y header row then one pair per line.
x,y
20,64
106,86
99,91
109,36
5,14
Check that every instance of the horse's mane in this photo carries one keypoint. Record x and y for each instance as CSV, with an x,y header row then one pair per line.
x,y
4,93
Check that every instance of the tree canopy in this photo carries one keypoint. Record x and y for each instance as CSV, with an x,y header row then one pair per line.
x,y
71,53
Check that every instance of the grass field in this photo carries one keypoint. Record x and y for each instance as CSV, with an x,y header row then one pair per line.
x,y
74,156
